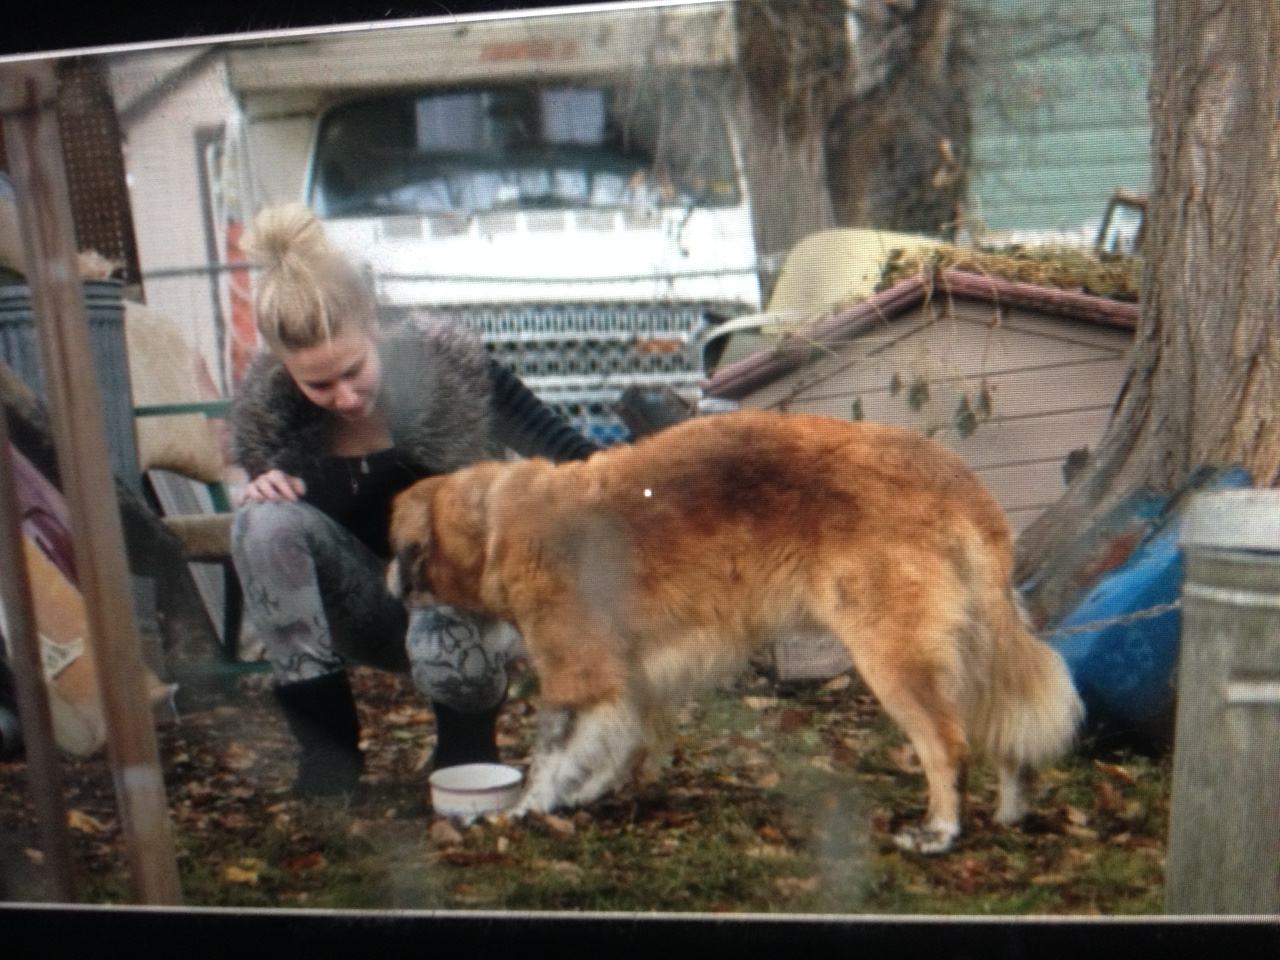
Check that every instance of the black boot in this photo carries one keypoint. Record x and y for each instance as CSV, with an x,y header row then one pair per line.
x,y
321,713
464,737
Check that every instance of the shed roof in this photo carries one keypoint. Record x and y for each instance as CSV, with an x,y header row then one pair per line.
x,y
749,374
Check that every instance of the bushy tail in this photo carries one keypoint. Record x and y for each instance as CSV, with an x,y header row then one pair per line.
x,y
1032,710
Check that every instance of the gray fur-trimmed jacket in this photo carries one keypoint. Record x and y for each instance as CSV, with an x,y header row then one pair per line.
x,y
448,404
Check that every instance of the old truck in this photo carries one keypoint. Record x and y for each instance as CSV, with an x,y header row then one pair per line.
x,y
569,184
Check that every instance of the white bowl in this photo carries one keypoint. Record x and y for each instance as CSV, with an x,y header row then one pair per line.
x,y
474,789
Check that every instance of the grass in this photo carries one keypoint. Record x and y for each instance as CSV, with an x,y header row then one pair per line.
x,y
774,801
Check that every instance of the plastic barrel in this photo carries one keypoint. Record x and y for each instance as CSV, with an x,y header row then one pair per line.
x,y
20,349
1224,833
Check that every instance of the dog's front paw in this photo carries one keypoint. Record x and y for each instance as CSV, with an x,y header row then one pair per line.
x,y
927,840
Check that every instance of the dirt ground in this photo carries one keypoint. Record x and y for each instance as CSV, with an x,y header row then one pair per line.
x,y
777,799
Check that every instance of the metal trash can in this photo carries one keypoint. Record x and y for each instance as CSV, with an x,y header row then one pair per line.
x,y
1224,832
20,349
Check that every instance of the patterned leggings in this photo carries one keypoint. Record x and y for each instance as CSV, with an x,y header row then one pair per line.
x,y
318,599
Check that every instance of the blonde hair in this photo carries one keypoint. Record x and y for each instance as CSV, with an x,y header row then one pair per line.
x,y
308,291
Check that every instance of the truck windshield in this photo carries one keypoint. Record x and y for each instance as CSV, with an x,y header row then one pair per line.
x,y
520,148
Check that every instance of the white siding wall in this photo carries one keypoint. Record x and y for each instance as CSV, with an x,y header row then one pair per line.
x,y
162,163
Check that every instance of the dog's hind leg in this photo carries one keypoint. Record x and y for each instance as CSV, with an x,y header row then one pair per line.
x,y
915,692
581,754
1014,782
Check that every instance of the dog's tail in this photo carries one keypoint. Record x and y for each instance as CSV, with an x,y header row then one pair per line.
x,y
1031,712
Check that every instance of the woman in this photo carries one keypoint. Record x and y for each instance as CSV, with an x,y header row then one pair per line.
x,y
333,420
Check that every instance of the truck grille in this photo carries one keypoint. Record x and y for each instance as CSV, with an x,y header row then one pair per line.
x,y
578,358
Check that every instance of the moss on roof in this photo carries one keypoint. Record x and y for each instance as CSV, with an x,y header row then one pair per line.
x,y
1115,276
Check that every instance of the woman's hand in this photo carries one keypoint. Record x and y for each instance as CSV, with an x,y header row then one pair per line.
x,y
272,486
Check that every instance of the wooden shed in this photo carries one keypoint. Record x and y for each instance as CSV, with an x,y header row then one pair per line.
x,y
1013,376
1016,377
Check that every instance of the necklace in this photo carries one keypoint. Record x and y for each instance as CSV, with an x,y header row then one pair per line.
x,y
353,474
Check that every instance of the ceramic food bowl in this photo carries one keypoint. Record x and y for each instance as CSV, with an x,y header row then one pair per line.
x,y
474,789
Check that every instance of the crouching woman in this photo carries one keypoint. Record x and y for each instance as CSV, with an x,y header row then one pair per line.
x,y
334,419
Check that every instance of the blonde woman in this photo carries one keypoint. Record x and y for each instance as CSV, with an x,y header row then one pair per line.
x,y
333,419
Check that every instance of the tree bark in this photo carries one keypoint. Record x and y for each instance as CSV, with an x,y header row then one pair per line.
x,y
795,59
1204,386
897,151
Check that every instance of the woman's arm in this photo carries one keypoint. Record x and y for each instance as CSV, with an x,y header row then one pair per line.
x,y
527,425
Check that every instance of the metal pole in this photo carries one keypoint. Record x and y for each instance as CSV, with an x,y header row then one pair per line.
x,y
27,105
28,679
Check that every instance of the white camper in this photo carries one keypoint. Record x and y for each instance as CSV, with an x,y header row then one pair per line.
x,y
567,183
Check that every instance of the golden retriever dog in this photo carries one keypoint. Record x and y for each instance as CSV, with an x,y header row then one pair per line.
x,y
646,570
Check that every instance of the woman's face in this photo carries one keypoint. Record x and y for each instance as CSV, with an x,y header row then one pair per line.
x,y
341,375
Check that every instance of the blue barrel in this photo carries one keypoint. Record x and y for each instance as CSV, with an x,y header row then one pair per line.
x,y
1126,669
20,350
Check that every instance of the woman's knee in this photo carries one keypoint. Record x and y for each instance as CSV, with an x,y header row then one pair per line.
x,y
265,536
459,659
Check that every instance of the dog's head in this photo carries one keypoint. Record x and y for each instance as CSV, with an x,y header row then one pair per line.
x,y
439,531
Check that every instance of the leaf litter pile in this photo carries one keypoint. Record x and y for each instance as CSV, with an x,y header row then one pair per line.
x,y
776,799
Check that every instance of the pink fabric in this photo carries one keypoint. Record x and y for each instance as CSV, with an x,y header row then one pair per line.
x,y
44,514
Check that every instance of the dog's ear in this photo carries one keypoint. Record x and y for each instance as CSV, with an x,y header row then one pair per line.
x,y
410,536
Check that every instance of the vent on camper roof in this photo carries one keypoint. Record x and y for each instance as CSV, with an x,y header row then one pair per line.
x,y
544,222
493,223
401,228
448,225
594,219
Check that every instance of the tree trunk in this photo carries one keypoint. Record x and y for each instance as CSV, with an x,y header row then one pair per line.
x,y
795,57
897,150
1204,387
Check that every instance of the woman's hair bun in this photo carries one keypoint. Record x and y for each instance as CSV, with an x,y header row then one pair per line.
x,y
308,291
286,235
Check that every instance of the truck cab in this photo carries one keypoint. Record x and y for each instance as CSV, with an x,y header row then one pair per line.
x,y
570,187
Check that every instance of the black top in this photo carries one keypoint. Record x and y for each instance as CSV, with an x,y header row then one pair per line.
x,y
357,492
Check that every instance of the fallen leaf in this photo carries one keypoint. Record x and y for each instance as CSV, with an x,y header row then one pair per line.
x,y
1117,771
822,763
245,875
1076,816
771,834
836,684
793,886
444,834
81,821
768,780
769,851
760,703
307,861
1107,798
468,894
503,845
843,755
1050,879
239,757
405,716
792,720
558,825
